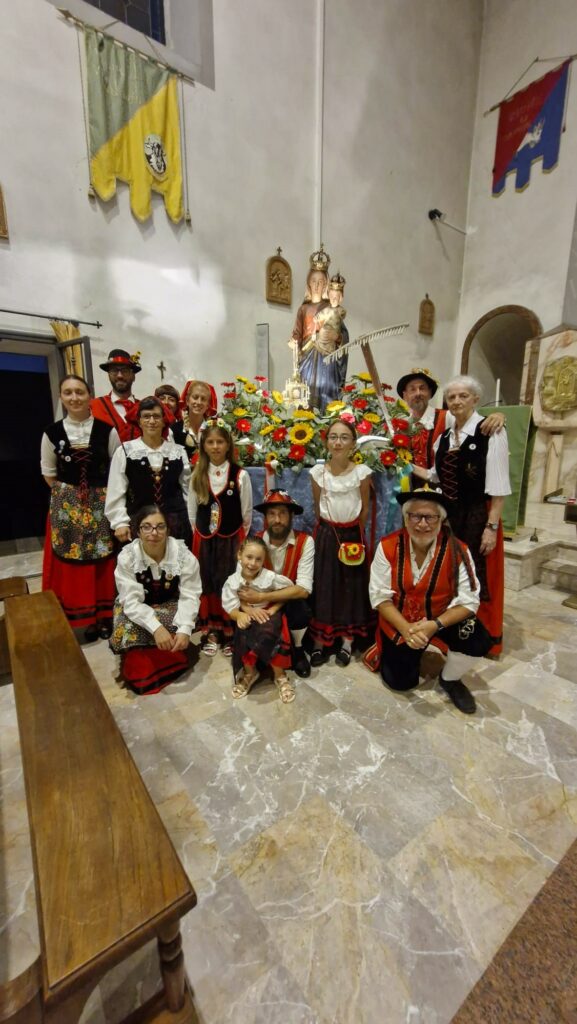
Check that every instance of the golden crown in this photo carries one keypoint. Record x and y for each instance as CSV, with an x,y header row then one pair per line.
x,y
338,281
320,259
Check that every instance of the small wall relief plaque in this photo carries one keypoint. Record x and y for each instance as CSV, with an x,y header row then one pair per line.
x,y
427,316
279,280
558,386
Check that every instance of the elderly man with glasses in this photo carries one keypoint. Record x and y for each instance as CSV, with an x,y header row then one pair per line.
x,y
424,587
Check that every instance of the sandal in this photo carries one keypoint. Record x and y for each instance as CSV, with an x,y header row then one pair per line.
x,y
244,683
286,690
210,647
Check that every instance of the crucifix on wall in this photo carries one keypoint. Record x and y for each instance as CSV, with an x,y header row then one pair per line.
x,y
162,368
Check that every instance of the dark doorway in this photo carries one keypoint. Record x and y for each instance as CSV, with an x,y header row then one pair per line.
x,y
25,411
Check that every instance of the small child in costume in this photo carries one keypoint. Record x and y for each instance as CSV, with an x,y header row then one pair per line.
x,y
220,508
262,633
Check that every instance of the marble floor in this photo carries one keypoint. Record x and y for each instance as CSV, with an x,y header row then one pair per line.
x,y
358,856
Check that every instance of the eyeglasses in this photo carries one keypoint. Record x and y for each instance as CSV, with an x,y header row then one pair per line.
x,y
149,528
340,437
148,417
416,517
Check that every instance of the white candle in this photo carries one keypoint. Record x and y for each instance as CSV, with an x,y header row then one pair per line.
x,y
497,391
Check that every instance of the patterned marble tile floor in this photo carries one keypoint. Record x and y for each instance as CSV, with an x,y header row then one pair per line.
x,y
359,857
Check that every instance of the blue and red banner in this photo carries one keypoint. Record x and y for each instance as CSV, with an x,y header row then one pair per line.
x,y
530,126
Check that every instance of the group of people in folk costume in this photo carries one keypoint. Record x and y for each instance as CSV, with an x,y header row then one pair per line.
x,y
149,540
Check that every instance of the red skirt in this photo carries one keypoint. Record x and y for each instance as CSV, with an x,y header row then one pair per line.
x,y
217,561
86,591
490,612
148,670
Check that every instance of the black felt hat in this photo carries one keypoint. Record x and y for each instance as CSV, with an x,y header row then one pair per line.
x,y
118,357
281,498
417,373
424,494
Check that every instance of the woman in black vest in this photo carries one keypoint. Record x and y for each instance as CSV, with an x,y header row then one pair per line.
x,y
151,470
79,549
473,470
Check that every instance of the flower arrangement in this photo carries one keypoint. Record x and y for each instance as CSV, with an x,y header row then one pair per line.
x,y
266,432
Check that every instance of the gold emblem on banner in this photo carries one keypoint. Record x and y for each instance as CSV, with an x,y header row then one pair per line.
x,y
558,386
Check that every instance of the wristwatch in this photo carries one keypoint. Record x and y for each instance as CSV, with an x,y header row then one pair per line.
x,y
439,625
492,526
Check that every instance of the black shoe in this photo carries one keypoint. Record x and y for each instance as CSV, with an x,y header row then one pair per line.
x,y
91,634
457,692
343,657
105,629
318,657
301,663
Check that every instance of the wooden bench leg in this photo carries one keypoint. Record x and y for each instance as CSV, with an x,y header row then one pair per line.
x,y
172,965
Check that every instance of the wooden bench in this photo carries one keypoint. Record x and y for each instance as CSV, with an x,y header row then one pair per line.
x,y
106,874
9,587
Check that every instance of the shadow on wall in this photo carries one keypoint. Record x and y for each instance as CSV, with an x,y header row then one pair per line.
x,y
495,350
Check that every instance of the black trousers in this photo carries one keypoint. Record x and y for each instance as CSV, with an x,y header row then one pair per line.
x,y
400,664
297,613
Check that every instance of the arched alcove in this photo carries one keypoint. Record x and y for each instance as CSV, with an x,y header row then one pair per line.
x,y
495,349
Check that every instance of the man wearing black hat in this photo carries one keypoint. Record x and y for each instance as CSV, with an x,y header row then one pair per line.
x,y
290,553
417,388
113,408
424,587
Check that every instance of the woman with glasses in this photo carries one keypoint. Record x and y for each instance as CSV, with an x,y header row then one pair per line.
x,y
150,470
158,582
341,489
424,588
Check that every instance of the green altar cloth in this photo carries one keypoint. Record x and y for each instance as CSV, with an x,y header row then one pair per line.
x,y
521,434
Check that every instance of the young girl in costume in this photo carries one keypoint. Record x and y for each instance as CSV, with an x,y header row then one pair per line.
x,y
198,403
79,550
262,634
158,583
341,488
220,507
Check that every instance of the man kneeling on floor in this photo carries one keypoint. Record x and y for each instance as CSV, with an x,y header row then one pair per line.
x,y
424,587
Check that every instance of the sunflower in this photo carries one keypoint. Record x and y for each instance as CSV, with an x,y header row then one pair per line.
x,y
405,455
250,388
368,391
277,397
266,430
243,380
334,407
372,417
303,414
301,434
270,457
403,405
358,458
276,419
363,376
239,411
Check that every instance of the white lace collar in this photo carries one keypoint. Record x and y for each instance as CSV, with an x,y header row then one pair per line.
x,y
137,449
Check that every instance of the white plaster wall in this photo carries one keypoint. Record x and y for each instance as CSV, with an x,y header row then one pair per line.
x,y
190,296
401,79
400,85
519,243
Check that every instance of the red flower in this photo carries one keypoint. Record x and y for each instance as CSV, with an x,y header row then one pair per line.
x,y
267,409
279,434
400,424
323,435
386,387
249,449
400,440
266,394
227,384
349,387
364,427
243,426
388,398
297,452
387,458
261,378
360,403
230,394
